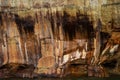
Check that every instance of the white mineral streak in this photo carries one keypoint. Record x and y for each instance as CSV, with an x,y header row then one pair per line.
x,y
26,53
78,54
21,53
66,58
95,48
105,50
84,54
114,49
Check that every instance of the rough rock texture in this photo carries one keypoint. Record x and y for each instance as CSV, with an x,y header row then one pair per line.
x,y
55,37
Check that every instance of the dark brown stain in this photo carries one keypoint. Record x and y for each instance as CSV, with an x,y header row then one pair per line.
x,y
74,27
1,21
25,25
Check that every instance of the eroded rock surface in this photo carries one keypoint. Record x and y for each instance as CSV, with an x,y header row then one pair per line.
x,y
57,37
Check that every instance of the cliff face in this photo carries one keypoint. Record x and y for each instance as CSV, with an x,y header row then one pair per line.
x,y
42,37
48,34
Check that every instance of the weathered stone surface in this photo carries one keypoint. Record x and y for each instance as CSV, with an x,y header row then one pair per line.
x,y
45,64
51,35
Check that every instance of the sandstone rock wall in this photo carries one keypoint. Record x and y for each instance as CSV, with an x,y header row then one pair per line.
x,y
37,31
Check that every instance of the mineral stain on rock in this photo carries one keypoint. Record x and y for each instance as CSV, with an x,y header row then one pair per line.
x,y
59,38
26,24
